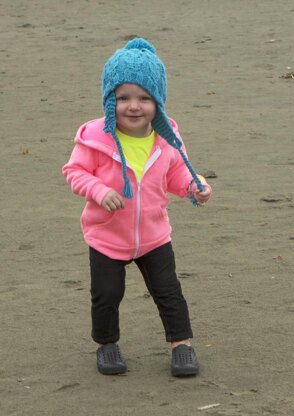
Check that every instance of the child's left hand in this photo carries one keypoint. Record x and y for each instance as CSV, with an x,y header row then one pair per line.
x,y
202,197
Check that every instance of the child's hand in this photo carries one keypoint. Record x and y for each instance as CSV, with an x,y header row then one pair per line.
x,y
203,197
112,201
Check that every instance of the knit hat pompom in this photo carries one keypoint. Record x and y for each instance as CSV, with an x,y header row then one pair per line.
x,y
140,43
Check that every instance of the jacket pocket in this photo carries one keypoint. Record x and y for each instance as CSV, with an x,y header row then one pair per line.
x,y
93,214
154,224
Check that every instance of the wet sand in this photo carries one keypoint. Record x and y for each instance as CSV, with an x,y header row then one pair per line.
x,y
225,61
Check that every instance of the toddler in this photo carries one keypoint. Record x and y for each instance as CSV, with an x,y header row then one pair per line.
x,y
124,165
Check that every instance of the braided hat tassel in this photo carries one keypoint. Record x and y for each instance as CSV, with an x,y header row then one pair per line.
x,y
109,127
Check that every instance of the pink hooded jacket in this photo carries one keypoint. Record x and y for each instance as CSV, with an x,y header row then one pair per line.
x,y
142,225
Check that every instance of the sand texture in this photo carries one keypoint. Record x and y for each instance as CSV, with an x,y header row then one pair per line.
x,y
227,62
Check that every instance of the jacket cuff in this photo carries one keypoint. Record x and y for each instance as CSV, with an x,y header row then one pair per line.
x,y
99,193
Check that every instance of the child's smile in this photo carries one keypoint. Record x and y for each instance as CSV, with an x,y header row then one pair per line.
x,y
135,109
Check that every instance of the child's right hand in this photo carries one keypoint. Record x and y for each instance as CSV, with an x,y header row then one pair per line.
x,y
112,201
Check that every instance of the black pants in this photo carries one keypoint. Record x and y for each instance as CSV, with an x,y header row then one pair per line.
x,y
108,287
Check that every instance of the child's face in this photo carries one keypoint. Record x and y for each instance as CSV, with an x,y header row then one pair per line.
x,y
135,109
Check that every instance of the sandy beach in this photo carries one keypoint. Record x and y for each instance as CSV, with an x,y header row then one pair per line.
x,y
227,64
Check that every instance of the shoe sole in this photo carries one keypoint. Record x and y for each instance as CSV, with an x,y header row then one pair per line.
x,y
111,371
188,372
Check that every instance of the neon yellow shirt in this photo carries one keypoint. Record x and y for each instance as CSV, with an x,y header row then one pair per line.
x,y
136,150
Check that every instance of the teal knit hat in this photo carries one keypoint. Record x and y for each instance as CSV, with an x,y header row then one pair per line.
x,y
137,63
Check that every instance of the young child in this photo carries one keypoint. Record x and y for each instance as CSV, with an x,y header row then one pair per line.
x,y
124,164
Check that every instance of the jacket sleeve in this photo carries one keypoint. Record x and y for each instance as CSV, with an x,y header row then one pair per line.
x,y
79,173
179,177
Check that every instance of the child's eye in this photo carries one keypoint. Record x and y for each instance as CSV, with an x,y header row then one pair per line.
x,y
146,98
122,98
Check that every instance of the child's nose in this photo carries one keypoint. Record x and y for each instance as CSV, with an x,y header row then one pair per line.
x,y
134,104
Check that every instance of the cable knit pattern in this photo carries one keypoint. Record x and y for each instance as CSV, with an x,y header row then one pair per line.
x,y
137,63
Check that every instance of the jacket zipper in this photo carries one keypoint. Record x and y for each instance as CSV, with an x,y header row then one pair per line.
x,y
155,155
138,215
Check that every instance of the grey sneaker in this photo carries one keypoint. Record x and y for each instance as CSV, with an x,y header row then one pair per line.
x,y
184,361
110,360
